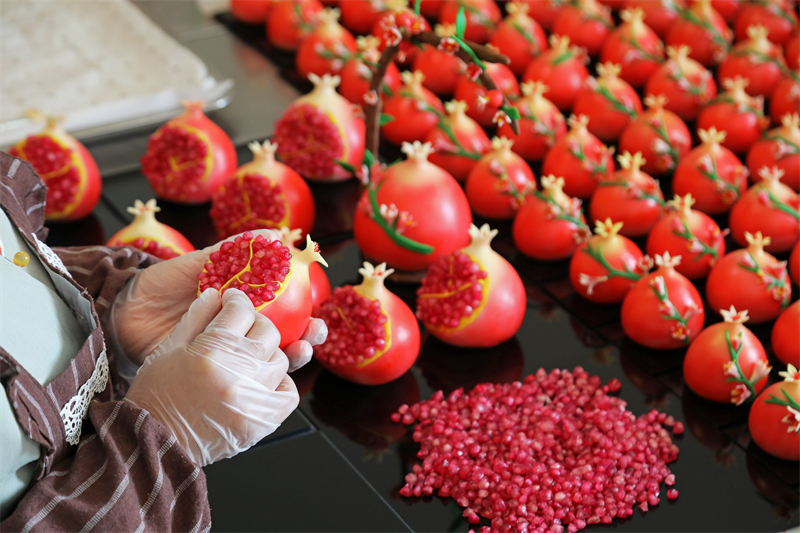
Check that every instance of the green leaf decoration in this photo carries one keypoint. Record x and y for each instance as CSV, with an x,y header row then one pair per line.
x,y
369,159
461,23
512,112
347,166
417,6
386,118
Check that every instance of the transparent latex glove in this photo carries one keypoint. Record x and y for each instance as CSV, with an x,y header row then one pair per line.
x,y
153,302
219,381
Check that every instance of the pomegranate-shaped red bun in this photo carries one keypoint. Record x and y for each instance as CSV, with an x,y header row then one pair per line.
x,y
499,182
770,207
481,17
275,279
609,102
458,141
660,135
757,60
686,84
562,68
373,336
606,266
785,340
750,279
587,23
550,225
189,157
728,9
544,11
663,310
634,47
778,16
290,21
473,297
441,67
541,124
737,113
251,11
357,72
359,16
580,157
320,284
727,363
689,233
150,235
779,148
658,15
413,213
325,50
67,169
262,194
318,130
774,419
794,264
711,173
702,28
415,111
519,37
631,197
484,103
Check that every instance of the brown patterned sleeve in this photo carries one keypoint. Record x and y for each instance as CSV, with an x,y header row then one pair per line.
x,y
129,474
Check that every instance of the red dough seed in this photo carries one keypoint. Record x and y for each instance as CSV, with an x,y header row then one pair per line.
x,y
309,141
153,248
451,290
54,165
247,203
552,453
175,162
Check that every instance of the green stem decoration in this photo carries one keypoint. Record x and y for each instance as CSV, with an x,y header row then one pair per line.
x,y
734,353
562,215
715,35
663,297
689,236
783,207
597,255
720,183
771,282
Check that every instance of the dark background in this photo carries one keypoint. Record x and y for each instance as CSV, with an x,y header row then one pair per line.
x,y
338,463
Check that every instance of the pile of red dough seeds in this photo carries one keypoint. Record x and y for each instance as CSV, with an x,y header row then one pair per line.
x,y
553,452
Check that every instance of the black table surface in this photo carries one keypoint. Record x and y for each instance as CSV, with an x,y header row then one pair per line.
x,y
338,463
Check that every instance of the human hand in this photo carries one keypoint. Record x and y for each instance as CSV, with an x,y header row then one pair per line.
x,y
219,381
153,302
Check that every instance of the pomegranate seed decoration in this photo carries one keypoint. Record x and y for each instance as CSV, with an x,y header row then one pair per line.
x,y
66,167
762,284
319,129
320,284
554,452
276,280
262,194
189,157
150,235
373,336
473,297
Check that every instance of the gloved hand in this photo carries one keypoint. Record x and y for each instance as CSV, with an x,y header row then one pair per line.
x,y
153,302
219,381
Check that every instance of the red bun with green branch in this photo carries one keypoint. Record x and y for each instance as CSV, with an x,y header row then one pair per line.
x,y
472,298
483,102
150,235
659,134
774,419
320,284
319,129
412,212
541,123
737,113
326,48
544,11
634,47
661,15
688,233
728,9
291,21
663,310
686,84
66,167
770,207
482,17
263,193
373,336
779,147
587,23
726,363
441,67
704,30
458,141
499,182
189,157
550,225
581,158
606,266
750,279
631,196
251,11
519,37
757,60
778,16
712,174
275,279
562,68
359,16
785,340
411,113
610,103
786,96
358,70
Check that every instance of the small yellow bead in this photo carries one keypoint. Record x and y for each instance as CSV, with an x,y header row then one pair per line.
x,y
21,259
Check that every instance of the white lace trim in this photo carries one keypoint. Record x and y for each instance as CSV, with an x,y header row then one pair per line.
x,y
75,409
51,256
